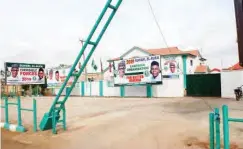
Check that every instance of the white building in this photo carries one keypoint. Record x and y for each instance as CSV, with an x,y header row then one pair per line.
x,y
174,80
231,78
174,83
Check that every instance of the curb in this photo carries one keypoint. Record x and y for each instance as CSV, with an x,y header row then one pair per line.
x,y
12,127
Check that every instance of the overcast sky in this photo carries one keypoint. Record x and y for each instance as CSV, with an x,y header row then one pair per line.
x,y
48,31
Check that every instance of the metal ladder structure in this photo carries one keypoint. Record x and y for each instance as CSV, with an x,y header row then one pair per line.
x,y
51,118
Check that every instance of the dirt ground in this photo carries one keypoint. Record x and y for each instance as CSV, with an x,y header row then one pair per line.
x,y
132,123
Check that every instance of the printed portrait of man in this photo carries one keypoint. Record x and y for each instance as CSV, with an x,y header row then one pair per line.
x,y
41,73
121,78
155,71
14,70
172,67
121,69
57,75
50,75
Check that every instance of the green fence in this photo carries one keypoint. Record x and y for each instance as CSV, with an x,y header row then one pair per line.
x,y
18,127
203,85
214,127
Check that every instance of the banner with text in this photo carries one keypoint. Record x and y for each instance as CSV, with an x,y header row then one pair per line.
x,y
171,66
23,73
57,76
142,70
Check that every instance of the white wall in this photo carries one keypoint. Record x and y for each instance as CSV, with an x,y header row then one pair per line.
x,y
110,91
230,80
75,92
170,88
196,62
135,91
91,88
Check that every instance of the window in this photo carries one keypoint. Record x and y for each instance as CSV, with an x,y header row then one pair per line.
x,y
191,62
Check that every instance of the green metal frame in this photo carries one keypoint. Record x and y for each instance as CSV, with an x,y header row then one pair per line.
x,y
226,121
46,122
20,127
55,120
214,122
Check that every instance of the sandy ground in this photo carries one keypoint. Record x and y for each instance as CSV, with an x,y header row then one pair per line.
x,y
118,123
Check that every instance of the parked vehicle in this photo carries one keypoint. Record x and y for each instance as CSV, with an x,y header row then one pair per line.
x,y
238,93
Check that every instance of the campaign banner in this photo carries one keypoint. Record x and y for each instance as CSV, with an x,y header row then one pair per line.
x,y
171,67
142,70
57,76
23,73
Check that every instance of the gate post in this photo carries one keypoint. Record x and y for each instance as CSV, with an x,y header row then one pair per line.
x,y
184,57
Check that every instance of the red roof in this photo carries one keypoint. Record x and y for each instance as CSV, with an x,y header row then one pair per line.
x,y
165,51
171,51
201,69
215,70
235,67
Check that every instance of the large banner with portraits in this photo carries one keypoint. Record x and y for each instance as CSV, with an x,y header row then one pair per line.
x,y
57,76
23,73
142,70
171,66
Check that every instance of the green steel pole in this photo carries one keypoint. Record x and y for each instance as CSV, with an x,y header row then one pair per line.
x,y
19,111
235,120
217,123
226,127
98,40
6,110
53,122
211,130
79,56
64,119
34,116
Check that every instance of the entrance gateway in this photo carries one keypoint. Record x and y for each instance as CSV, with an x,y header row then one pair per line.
x,y
52,117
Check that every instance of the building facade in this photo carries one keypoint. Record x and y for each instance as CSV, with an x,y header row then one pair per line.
x,y
174,78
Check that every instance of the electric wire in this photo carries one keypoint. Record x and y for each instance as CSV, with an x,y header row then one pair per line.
x,y
163,37
157,23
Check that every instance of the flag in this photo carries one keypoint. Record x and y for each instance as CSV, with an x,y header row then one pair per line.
x,y
94,65
114,68
101,66
110,66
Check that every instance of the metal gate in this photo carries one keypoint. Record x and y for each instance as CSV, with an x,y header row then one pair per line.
x,y
204,85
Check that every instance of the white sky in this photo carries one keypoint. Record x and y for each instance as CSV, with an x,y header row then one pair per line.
x,y
44,31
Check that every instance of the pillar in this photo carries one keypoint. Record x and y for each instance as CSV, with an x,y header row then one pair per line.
x,y
122,91
82,89
149,91
184,57
101,87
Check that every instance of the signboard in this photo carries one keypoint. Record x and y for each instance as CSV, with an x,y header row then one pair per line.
x,y
23,73
142,70
56,77
171,67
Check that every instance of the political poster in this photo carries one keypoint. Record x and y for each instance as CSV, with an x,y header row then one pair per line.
x,y
142,70
24,73
171,66
57,76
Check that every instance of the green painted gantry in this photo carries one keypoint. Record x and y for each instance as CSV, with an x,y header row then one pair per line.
x,y
51,118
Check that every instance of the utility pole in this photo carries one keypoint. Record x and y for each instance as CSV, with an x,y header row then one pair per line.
x,y
85,69
239,26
